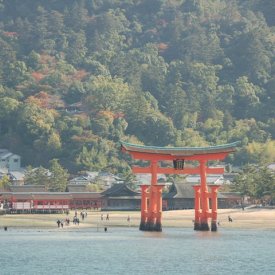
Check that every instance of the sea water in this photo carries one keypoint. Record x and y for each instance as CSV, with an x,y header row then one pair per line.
x,y
130,251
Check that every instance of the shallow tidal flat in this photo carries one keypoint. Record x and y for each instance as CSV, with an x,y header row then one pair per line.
x,y
255,218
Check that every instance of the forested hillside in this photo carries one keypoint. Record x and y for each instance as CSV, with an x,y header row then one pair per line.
x,y
78,76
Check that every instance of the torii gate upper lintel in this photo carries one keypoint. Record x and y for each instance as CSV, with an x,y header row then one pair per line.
x,y
151,195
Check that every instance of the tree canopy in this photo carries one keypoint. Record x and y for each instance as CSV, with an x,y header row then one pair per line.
x,y
78,76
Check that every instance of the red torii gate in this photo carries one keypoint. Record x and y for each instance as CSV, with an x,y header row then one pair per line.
x,y
151,195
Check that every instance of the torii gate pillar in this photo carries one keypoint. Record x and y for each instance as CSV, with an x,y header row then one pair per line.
x,y
151,202
204,198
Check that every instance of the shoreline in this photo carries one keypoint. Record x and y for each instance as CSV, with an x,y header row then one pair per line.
x,y
252,218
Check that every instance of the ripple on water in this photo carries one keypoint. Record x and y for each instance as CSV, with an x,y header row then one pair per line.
x,y
129,251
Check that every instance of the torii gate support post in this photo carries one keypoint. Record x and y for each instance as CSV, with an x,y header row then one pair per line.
x,y
158,211
152,200
214,206
144,206
153,222
197,221
204,198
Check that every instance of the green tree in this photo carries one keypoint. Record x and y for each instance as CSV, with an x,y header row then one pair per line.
x,y
75,92
108,35
77,49
190,137
251,52
8,111
265,182
37,176
246,98
34,121
261,153
255,181
244,182
106,93
77,16
93,159
5,182
58,178
16,73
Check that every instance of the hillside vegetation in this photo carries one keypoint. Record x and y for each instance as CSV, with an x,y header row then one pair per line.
x,y
78,76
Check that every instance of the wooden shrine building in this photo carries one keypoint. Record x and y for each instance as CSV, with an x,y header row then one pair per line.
x,y
120,197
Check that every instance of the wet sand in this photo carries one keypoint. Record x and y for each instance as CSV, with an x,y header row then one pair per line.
x,y
253,218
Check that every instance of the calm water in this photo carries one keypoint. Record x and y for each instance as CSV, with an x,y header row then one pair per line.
x,y
129,251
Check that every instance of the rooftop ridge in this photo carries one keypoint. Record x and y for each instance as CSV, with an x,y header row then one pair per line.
x,y
221,146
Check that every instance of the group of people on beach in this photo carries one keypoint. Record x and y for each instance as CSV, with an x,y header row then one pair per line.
x,y
76,221
107,217
60,223
83,214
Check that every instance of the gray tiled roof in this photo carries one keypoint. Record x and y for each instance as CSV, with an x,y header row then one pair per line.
x,y
77,187
118,190
184,190
28,188
180,190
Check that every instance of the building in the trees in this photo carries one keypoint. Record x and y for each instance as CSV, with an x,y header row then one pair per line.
x,y
10,161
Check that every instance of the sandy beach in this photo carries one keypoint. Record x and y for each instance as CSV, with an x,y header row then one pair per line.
x,y
253,218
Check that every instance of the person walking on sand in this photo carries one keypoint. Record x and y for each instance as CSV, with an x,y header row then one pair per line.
x,y
107,217
101,217
58,223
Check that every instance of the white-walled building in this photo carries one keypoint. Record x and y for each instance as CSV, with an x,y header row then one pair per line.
x,y
9,160
105,179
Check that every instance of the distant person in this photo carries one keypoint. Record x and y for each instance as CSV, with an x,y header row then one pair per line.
x,y
107,217
230,219
58,223
101,217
